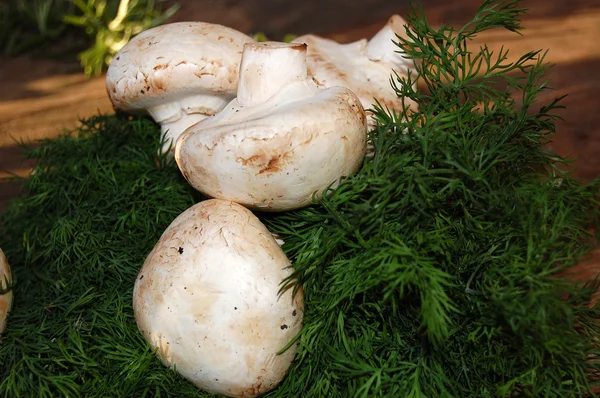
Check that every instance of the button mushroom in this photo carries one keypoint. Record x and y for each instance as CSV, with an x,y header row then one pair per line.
x,y
208,300
179,73
5,291
363,66
281,140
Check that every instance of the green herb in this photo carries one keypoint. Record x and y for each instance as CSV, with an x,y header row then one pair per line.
x,y
432,272
26,25
96,205
261,37
59,27
111,25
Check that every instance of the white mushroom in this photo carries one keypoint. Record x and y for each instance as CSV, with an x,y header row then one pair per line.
x,y
179,73
365,67
208,299
5,292
281,140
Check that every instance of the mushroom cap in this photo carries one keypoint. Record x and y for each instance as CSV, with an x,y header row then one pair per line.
x,y
6,298
274,156
189,67
207,298
364,67
382,46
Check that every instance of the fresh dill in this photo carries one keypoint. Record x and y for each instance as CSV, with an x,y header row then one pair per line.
x,y
430,273
97,202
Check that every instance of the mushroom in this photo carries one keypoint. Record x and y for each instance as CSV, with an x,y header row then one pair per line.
x,y
282,139
363,66
210,299
5,291
179,73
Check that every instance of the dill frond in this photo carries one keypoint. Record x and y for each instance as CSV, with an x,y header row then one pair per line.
x,y
433,271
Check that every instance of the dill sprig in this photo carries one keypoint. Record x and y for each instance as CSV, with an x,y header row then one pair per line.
x,y
96,204
432,272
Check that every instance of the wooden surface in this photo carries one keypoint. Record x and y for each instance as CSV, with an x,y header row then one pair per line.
x,y
41,98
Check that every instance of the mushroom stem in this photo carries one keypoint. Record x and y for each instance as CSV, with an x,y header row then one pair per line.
x,y
267,67
175,117
381,47
172,130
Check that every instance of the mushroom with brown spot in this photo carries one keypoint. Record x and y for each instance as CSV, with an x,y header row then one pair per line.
x,y
178,73
211,298
6,295
281,141
364,66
